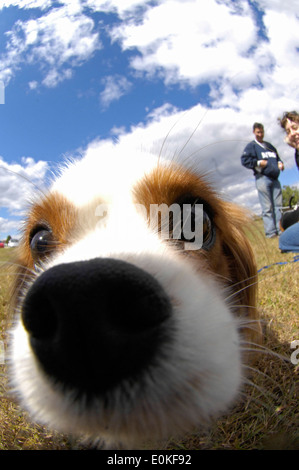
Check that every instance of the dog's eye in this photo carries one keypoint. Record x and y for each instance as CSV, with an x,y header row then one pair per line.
x,y
196,223
41,243
208,232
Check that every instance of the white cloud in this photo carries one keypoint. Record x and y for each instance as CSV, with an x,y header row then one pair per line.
x,y
33,85
191,41
115,87
9,227
60,38
123,8
283,34
276,5
20,182
54,77
188,43
26,3
61,35
183,42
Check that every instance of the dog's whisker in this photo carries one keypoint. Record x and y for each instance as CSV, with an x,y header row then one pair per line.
x,y
168,134
239,307
217,142
193,132
236,293
242,322
247,328
266,394
10,265
20,275
266,351
259,373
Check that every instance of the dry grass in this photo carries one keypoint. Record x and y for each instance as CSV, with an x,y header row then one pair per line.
x,y
268,414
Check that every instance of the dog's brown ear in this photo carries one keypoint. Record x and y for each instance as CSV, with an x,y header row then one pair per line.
x,y
243,273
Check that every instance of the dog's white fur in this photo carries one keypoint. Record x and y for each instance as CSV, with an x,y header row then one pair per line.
x,y
199,374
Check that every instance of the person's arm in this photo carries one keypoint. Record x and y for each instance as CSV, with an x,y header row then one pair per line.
x,y
249,158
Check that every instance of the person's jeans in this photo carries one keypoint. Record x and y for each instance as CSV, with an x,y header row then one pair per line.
x,y
289,240
270,197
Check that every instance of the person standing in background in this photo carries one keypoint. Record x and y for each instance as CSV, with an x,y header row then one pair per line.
x,y
262,157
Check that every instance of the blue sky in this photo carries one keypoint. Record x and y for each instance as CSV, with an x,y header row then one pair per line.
x,y
77,73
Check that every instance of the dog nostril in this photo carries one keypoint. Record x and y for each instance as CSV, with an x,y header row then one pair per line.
x,y
93,323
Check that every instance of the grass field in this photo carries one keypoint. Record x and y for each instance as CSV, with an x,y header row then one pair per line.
x,y
267,417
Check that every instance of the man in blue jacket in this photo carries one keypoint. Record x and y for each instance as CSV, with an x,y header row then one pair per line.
x,y
263,159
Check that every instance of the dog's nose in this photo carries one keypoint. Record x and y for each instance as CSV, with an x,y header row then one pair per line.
x,y
94,324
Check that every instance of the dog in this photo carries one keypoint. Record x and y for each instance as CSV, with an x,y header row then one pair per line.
x,y
128,330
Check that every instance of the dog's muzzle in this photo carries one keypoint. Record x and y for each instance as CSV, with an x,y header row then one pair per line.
x,y
93,324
